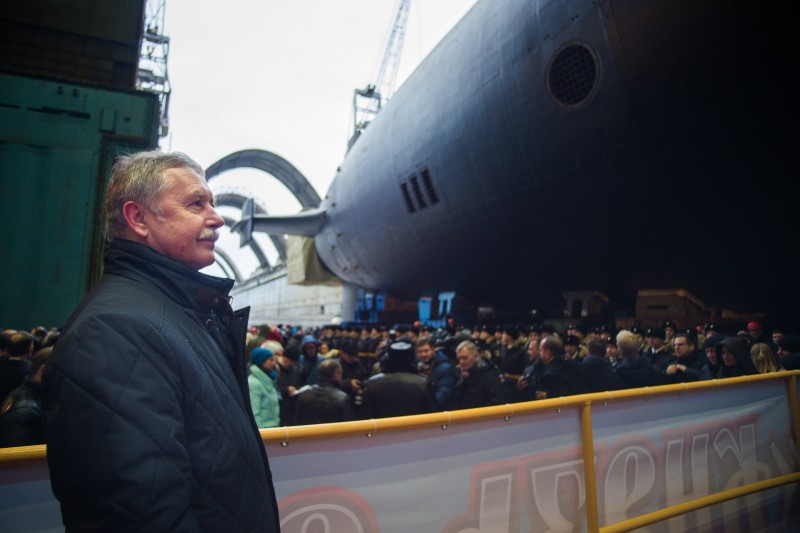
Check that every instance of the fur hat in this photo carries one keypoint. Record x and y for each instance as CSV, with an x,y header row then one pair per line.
x,y
401,356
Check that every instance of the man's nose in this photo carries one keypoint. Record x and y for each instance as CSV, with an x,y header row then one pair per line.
x,y
214,220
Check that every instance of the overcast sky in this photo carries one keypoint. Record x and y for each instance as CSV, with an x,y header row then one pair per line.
x,y
279,75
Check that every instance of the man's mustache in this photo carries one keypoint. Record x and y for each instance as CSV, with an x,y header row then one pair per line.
x,y
209,234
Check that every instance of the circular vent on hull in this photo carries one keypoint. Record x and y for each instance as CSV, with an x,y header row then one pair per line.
x,y
573,74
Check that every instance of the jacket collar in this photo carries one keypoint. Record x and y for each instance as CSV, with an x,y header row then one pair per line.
x,y
180,283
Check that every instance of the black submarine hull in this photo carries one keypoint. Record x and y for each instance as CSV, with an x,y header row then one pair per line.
x,y
570,145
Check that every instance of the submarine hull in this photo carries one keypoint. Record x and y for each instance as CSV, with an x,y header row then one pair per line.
x,y
564,145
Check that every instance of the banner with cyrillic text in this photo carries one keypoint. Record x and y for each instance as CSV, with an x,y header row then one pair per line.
x,y
526,473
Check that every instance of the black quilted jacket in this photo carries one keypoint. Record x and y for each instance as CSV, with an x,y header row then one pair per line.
x,y
149,422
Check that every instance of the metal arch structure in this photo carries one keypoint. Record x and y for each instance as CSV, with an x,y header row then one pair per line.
x,y
272,164
277,167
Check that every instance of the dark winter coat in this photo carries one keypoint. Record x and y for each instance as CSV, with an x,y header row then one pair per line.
x,y
395,394
309,365
639,374
481,388
151,427
600,375
532,376
441,383
564,377
21,422
323,403
790,362
695,363
12,373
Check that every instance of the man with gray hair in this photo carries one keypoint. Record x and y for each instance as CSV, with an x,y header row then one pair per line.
x,y
478,384
151,426
633,369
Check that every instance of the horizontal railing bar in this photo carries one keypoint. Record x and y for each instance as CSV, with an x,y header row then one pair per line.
x,y
699,503
288,434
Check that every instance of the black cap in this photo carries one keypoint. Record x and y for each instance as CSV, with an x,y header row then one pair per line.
x,y
572,340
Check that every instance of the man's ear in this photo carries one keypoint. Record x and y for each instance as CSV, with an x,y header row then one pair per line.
x,y
135,217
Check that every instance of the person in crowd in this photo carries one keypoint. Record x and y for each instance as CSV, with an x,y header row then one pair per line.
x,y
606,332
789,352
711,329
534,334
733,354
688,363
711,369
478,382
528,383
777,335
21,421
576,338
273,334
489,339
612,351
549,331
310,359
439,373
398,390
743,333
561,376
513,360
326,352
633,369
670,329
372,346
599,374
51,338
264,396
572,348
354,373
756,334
14,366
150,426
659,353
5,335
293,348
764,358
255,338
288,380
362,345
324,402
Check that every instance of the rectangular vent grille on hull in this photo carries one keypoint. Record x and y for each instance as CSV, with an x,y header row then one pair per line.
x,y
424,195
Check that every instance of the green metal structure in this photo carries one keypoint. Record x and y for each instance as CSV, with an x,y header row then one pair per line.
x,y
57,144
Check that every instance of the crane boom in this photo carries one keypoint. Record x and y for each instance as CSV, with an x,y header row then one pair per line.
x,y
368,101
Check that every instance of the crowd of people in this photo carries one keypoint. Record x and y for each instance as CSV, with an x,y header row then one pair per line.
x,y
335,374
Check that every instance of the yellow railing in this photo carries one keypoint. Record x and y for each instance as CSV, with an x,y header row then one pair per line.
x,y
583,403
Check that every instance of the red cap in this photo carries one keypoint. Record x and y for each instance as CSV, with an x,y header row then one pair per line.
x,y
754,325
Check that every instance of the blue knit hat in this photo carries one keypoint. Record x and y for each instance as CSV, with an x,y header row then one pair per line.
x,y
260,355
